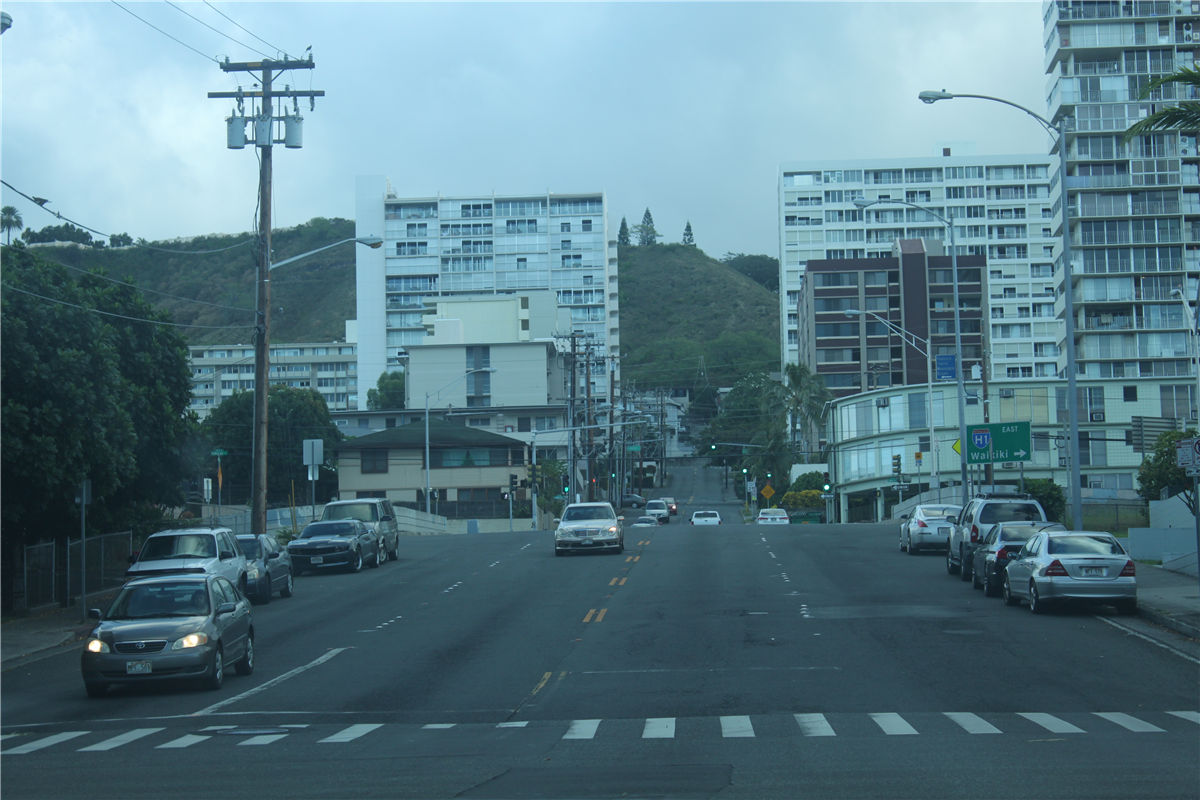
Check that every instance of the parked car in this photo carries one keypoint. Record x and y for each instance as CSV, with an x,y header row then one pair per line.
x,y
169,627
658,509
772,516
645,522
631,500
672,506
346,543
1003,541
190,550
268,567
374,512
706,518
977,517
1071,566
588,526
928,527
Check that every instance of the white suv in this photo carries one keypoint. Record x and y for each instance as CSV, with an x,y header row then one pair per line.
x,y
376,513
978,517
659,510
194,550
588,526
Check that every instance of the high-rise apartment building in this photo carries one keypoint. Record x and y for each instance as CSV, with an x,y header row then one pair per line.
x,y
437,247
1134,205
1001,207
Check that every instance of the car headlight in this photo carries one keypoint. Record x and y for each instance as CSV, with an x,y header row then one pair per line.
x,y
252,571
97,646
612,529
191,640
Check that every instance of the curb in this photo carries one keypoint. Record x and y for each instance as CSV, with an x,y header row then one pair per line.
x,y
1169,621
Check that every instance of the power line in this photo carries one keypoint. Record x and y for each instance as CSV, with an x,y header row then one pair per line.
x,y
252,33
164,33
12,288
142,289
214,30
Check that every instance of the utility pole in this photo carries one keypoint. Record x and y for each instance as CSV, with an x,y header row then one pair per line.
x,y
587,420
571,424
264,128
612,410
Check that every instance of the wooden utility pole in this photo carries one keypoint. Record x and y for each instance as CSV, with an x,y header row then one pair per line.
x,y
264,125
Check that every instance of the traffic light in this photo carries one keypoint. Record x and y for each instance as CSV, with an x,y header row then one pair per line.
x,y
896,465
512,482
532,473
826,486
745,471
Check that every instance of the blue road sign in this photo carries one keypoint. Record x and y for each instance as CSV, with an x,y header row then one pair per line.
x,y
947,367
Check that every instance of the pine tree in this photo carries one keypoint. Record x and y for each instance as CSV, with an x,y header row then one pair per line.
x,y
688,239
623,234
646,233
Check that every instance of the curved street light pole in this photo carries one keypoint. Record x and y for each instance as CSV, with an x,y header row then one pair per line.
x,y
958,349
1059,132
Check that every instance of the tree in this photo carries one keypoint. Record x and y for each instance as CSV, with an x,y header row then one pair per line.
x,y
120,240
763,270
1050,495
623,234
1184,115
58,233
646,233
388,392
688,238
10,220
1159,474
805,396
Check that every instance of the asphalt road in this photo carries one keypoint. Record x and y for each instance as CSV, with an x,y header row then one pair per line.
x,y
735,661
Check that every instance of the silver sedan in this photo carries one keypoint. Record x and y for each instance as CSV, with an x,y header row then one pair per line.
x,y
1071,566
928,528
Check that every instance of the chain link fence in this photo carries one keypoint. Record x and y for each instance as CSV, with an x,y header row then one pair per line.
x,y
105,557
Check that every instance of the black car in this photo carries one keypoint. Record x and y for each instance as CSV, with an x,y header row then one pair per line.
x,y
344,543
1000,546
631,500
268,567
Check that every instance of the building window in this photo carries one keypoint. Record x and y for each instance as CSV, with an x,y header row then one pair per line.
x,y
524,424
374,461
1130,394
587,225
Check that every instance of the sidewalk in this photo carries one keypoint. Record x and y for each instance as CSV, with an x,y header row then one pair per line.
x,y
1169,599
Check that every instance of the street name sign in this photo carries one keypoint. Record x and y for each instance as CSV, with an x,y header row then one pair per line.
x,y
998,441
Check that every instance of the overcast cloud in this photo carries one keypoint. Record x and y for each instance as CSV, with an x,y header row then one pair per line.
x,y
686,108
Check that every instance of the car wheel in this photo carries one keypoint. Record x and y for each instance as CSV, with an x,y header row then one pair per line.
x,y
242,586
95,688
1036,604
394,553
975,582
903,547
1006,593
912,551
356,564
950,568
989,586
620,546
264,594
246,665
1127,607
216,670
557,552
377,560
964,566
286,591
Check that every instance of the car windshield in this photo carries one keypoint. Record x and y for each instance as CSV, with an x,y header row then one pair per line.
x,y
1003,512
183,545
364,512
251,548
705,514
1020,534
183,599
647,520
580,513
1084,545
931,512
323,529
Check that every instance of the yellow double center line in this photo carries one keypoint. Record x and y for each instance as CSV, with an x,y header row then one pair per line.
x,y
595,616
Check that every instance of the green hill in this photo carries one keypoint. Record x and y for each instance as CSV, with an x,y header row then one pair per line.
x,y
683,314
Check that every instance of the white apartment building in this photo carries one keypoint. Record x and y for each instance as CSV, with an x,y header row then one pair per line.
x,y
219,370
436,247
1001,207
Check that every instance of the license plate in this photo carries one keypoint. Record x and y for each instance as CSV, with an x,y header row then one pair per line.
x,y
317,559
587,541
138,668
1093,572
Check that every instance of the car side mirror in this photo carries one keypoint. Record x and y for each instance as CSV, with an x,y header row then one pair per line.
x,y
272,555
386,518
133,558
93,613
225,555
226,608
621,519
904,516
557,520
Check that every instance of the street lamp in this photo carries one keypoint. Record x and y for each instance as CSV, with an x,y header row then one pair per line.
x,y
262,387
1194,335
916,343
958,348
428,487
1059,132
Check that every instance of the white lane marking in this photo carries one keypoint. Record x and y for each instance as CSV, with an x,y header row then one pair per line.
x,y
1050,722
736,727
219,728
117,741
972,723
1146,638
266,738
520,724
1129,722
4,736
893,724
48,741
438,726
295,725
291,673
582,729
1191,716
351,733
659,728
183,741
452,588
814,725
494,563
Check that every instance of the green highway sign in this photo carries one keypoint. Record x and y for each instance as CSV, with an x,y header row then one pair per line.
x,y
998,441
633,448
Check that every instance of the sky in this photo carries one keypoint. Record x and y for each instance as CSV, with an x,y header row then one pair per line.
x,y
685,108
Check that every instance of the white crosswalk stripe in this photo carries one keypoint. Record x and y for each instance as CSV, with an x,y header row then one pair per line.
x,y
1129,722
351,733
262,738
186,740
438,726
521,724
48,741
659,728
972,723
582,729
1191,716
736,728
893,724
122,739
814,725
1050,722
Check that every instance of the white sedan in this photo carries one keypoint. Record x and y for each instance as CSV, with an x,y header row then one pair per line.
x,y
772,516
706,518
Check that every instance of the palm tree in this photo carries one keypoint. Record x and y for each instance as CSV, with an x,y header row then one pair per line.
x,y
805,396
10,220
1184,115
